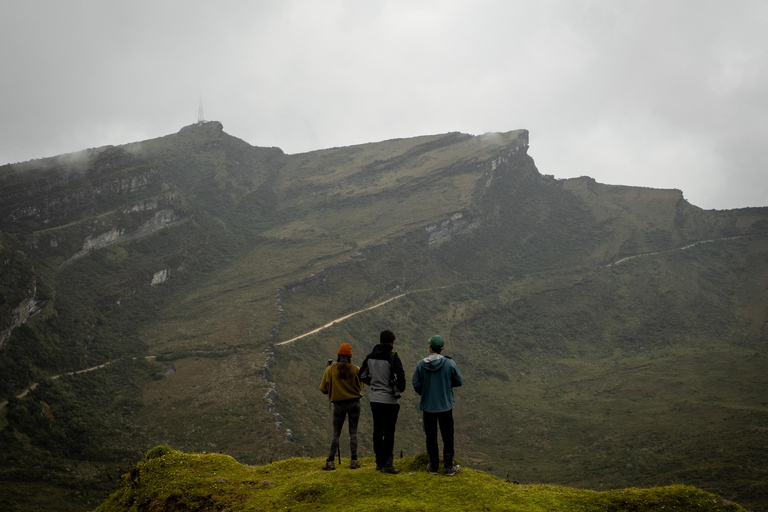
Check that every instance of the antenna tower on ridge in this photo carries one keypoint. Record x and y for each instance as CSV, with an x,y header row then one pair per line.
x,y
200,118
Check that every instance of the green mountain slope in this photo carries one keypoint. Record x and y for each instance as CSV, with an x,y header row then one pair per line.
x,y
171,480
609,336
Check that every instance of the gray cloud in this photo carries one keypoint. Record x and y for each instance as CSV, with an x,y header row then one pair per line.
x,y
650,93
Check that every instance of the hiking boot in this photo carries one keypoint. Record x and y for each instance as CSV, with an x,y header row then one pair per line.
x,y
329,466
431,470
452,470
391,470
354,464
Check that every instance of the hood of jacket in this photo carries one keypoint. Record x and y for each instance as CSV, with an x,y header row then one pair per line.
x,y
381,351
433,362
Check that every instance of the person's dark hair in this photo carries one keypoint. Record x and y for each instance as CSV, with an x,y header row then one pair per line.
x,y
387,337
437,350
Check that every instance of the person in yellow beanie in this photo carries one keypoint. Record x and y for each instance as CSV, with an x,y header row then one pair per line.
x,y
344,389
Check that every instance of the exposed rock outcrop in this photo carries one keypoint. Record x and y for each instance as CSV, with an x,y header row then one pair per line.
x,y
160,277
51,207
21,314
442,231
160,220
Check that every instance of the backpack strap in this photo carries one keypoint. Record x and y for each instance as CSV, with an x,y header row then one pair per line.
x,y
392,375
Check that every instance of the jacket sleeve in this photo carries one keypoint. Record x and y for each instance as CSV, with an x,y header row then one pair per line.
x,y
416,381
456,379
325,384
365,374
399,373
358,381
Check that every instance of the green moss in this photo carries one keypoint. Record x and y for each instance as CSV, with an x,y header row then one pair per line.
x,y
157,451
172,480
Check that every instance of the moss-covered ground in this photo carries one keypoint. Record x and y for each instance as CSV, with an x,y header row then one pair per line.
x,y
171,480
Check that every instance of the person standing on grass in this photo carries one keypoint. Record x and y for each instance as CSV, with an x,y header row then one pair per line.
x,y
434,379
383,372
342,384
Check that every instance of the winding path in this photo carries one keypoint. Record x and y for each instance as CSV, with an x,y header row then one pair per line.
x,y
339,320
34,384
694,244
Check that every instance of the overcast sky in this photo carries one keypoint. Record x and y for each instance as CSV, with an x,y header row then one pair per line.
x,y
663,94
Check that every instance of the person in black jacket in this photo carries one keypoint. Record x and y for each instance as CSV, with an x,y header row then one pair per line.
x,y
383,372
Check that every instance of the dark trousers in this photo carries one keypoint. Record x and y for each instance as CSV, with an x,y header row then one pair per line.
x,y
384,422
341,410
431,421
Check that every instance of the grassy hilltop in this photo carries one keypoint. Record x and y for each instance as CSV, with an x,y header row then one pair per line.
x,y
171,480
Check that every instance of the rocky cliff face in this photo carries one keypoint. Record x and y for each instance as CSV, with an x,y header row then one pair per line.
x,y
161,219
21,314
47,209
54,192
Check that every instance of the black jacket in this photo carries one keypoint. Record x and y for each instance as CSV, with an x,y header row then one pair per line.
x,y
382,370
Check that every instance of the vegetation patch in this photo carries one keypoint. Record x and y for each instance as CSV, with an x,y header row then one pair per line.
x,y
172,480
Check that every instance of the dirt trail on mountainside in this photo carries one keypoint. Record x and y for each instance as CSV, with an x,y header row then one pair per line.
x,y
345,317
694,244
339,320
34,384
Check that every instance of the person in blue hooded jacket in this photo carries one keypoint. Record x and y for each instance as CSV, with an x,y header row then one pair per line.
x,y
434,379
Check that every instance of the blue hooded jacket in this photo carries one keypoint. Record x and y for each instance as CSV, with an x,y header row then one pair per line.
x,y
434,379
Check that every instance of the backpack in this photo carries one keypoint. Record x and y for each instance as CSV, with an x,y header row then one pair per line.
x,y
393,375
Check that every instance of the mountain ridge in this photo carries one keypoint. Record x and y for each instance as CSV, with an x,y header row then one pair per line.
x,y
585,363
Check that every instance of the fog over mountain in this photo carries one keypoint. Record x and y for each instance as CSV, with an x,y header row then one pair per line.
x,y
651,93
